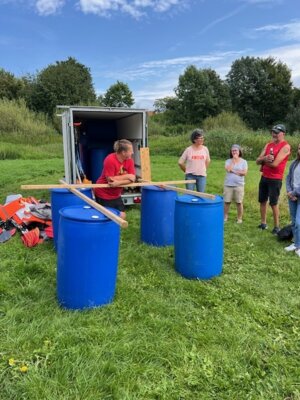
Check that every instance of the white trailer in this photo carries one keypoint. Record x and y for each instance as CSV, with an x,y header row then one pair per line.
x,y
88,137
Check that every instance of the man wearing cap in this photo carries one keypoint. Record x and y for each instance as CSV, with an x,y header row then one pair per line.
x,y
273,160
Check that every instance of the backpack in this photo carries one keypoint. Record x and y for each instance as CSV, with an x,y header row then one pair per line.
x,y
285,233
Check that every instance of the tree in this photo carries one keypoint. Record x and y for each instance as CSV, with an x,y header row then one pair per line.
x,y
200,93
65,82
118,95
10,86
260,90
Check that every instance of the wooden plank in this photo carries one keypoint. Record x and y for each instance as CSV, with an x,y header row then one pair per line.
x,y
193,192
103,185
145,163
115,218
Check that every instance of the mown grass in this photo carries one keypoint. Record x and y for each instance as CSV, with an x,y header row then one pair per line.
x,y
236,336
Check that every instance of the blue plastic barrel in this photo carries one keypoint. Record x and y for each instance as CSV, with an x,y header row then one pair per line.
x,y
87,258
97,157
61,198
157,216
199,236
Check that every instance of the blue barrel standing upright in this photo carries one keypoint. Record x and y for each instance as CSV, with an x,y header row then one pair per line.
x,y
98,155
157,216
199,236
61,198
87,258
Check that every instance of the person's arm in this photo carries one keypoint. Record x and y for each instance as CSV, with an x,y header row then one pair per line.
x,y
242,172
285,151
262,158
120,180
207,160
229,165
182,160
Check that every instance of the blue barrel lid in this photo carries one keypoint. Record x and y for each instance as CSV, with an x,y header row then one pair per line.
x,y
187,198
155,188
85,213
62,190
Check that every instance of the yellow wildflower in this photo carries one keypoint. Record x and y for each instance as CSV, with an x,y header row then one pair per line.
x,y
24,368
11,362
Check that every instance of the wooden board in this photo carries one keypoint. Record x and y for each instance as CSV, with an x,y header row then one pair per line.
x,y
145,164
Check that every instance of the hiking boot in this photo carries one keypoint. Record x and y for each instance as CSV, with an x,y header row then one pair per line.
x,y
263,226
291,247
275,230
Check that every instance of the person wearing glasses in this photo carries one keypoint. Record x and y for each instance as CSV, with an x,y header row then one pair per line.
x,y
236,169
293,194
272,159
195,160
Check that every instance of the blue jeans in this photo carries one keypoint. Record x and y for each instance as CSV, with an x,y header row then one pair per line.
x,y
295,217
200,182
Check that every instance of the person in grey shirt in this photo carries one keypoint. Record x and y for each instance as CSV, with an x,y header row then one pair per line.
x,y
293,193
236,169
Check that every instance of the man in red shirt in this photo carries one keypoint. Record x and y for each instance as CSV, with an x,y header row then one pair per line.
x,y
273,160
118,169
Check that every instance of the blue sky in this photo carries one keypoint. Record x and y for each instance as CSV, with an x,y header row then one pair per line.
x,y
147,43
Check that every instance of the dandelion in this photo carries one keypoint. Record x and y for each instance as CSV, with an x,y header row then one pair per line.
x,y
11,362
24,368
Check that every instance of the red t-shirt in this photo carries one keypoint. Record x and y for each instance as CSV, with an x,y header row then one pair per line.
x,y
113,167
277,172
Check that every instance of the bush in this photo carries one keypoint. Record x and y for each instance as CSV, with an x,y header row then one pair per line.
x,y
20,125
225,120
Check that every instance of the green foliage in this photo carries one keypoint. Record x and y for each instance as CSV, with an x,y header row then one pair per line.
x,y
25,134
10,86
118,95
260,90
163,337
200,93
225,120
64,83
293,120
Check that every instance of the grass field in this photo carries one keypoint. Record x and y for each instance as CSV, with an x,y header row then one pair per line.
x,y
236,336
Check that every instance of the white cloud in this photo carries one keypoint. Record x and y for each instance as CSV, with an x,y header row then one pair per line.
x,y
290,31
135,8
49,7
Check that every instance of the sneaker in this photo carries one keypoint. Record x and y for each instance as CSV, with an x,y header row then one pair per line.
x,y
275,230
263,226
297,252
291,247
225,219
239,221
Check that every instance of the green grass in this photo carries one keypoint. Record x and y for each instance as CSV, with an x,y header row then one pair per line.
x,y
236,336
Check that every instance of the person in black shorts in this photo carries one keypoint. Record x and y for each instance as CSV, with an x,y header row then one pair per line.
x,y
272,159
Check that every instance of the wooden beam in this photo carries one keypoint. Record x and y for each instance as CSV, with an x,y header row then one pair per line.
x,y
115,218
102,185
145,163
193,192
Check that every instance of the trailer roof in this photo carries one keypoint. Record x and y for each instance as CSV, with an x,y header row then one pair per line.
x,y
91,112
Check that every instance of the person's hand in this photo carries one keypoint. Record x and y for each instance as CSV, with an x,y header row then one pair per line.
x,y
269,158
291,196
113,183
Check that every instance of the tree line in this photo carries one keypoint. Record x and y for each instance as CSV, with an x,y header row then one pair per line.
x,y
259,90
63,83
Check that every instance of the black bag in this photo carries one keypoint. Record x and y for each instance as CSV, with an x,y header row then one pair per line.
x,y
285,233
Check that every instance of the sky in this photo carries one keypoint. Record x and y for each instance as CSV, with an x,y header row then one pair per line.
x,y
147,44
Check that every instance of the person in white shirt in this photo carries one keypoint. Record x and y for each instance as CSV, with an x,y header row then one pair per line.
x,y
236,169
194,161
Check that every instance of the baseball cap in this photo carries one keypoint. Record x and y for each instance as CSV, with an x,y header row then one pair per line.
x,y
278,128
